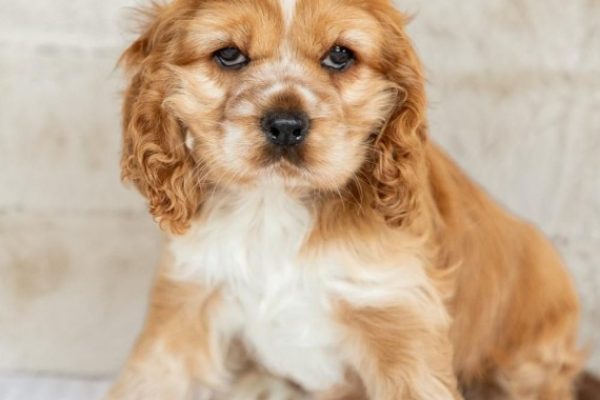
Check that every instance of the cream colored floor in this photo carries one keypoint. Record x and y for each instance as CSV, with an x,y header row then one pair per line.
x,y
21,387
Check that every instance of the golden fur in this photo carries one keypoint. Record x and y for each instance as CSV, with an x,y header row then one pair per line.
x,y
513,309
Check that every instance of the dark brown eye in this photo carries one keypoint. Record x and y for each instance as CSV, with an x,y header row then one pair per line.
x,y
338,59
231,58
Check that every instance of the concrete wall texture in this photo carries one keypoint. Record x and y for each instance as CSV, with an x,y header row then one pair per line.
x,y
515,98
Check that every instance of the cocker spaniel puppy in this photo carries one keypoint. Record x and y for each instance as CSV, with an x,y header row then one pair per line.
x,y
319,245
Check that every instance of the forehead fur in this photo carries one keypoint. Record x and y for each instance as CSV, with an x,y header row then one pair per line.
x,y
309,27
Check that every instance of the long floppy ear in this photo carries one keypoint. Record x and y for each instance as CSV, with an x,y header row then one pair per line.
x,y
398,167
155,157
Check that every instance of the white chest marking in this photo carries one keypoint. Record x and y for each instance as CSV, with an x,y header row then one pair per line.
x,y
248,244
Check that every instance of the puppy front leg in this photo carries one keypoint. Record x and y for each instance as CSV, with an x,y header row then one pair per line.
x,y
177,348
400,353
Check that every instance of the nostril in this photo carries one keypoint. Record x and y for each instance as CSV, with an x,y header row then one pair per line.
x,y
274,132
285,128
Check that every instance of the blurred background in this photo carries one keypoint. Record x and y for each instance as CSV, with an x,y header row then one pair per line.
x,y
514,88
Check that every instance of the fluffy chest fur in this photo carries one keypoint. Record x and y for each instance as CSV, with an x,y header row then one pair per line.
x,y
248,245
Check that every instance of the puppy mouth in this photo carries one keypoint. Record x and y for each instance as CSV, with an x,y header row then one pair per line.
x,y
291,156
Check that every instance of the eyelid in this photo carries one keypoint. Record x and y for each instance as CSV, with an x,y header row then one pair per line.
x,y
241,58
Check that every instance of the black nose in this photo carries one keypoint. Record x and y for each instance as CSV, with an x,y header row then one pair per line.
x,y
285,128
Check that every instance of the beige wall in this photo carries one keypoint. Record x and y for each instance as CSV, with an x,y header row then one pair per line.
x,y
515,97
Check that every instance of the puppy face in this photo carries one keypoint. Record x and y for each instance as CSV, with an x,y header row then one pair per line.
x,y
289,91
281,90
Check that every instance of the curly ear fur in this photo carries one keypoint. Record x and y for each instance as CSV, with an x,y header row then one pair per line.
x,y
398,167
155,157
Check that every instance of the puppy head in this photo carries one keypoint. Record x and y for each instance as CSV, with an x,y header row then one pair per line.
x,y
307,94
